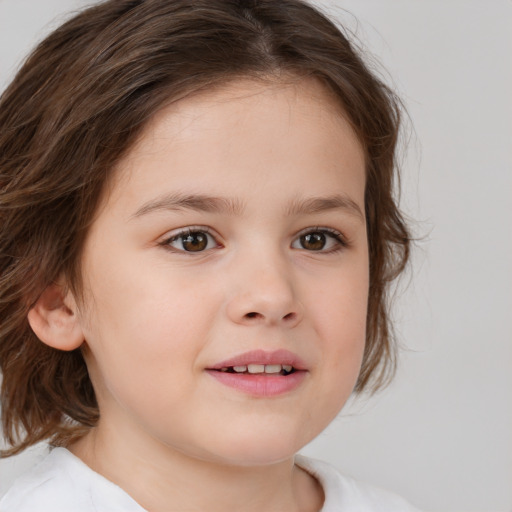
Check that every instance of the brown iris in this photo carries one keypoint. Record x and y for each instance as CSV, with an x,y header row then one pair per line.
x,y
313,241
194,242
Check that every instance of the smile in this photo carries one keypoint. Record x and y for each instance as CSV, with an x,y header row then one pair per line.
x,y
260,373
254,369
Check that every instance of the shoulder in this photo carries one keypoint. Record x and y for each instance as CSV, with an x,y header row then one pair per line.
x,y
345,494
61,482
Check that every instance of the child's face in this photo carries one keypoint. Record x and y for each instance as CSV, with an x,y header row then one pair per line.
x,y
221,236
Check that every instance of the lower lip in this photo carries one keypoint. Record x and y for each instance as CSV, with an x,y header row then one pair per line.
x,y
260,385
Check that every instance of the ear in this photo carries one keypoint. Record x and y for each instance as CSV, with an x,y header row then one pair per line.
x,y
54,319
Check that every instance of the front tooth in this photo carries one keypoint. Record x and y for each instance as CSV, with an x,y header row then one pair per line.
x,y
273,368
256,368
240,369
287,367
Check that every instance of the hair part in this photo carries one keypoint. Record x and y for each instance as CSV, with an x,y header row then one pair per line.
x,y
77,106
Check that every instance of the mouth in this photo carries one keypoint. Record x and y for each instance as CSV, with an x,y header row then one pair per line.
x,y
260,373
259,369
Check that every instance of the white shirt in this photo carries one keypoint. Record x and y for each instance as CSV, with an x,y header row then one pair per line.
x,y
61,482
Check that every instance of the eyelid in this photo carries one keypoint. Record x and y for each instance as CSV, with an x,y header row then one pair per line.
x,y
179,232
337,235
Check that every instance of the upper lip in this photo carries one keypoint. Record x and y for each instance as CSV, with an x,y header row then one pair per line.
x,y
282,357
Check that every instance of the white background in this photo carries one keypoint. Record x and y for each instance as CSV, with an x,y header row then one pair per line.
x,y
441,435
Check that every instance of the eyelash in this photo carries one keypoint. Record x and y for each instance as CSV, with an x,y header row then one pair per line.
x,y
338,238
192,230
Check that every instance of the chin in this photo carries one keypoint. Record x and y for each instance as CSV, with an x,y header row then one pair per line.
x,y
258,448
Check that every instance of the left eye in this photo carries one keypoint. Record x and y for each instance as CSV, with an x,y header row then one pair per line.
x,y
318,240
192,241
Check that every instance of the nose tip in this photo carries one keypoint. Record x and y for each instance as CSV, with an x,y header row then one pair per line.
x,y
263,288
267,304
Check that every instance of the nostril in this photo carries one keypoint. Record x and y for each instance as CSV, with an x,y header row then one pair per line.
x,y
255,316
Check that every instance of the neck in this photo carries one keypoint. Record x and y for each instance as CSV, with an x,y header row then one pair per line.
x,y
156,475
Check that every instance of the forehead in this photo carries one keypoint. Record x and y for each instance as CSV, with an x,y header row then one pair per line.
x,y
256,127
299,92
254,97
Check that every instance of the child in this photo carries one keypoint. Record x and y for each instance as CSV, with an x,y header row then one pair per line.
x,y
198,233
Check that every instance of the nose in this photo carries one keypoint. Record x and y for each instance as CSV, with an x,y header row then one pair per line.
x,y
265,294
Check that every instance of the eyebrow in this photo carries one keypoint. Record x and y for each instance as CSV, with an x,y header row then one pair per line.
x,y
199,202
322,204
230,206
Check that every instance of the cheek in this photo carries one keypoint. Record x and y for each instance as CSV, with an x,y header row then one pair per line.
x,y
339,320
142,331
340,304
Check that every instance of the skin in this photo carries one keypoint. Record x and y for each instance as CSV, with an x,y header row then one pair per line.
x,y
155,316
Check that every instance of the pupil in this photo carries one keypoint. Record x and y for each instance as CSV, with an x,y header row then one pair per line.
x,y
195,242
313,241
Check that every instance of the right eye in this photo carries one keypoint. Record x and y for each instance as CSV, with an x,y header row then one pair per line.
x,y
191,240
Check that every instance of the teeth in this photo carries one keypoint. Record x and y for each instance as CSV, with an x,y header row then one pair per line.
x,y
268,368
256,368
260,368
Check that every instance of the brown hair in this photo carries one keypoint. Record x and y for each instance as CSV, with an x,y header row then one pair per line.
x,y
78,104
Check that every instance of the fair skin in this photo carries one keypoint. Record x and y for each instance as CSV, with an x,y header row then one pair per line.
x,y
235,224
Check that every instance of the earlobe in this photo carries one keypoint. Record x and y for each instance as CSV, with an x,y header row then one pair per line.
x,y
54,320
